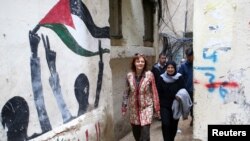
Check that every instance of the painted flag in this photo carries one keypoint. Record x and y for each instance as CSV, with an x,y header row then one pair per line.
x,y
72,22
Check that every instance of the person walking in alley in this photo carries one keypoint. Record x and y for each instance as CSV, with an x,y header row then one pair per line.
x,y
159,67
169,84
141,97
186,70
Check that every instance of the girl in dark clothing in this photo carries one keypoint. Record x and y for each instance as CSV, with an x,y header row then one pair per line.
x,y
170,83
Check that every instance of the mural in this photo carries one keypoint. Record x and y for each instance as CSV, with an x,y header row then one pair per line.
x,y
15,113
37,84
15,117
82,93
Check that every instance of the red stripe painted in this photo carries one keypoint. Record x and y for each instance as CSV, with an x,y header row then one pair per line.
x,y
97,134
99,129
224,84
87,135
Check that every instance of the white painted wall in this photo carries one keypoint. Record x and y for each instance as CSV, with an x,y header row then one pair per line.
x,y
221,42
15,75
132,22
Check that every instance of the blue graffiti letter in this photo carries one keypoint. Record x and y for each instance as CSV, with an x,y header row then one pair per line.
x,y
213,56
223,92
211,79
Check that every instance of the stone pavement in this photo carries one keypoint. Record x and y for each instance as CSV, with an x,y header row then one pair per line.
x,y
185,134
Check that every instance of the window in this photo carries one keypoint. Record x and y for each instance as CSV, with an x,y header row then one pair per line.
x,y
115,19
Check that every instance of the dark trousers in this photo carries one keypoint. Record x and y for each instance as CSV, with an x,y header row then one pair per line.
x,y
192,99
141,133
169,124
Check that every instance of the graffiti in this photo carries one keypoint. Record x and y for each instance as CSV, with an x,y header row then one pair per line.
x,y
87,135
37,84
79,9
98,134
224,84
225,49
82,93
75,138
99,78
209,73
212,56
55,82
205,68
15,113
221,85
81,84
15,117
54,21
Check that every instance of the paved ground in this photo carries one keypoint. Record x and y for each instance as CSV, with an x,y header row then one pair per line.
x,y
156,134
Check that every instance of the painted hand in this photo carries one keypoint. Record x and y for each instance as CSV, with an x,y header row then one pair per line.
x,y
34,41
50,55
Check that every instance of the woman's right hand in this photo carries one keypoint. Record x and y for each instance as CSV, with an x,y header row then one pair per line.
x,y
124,110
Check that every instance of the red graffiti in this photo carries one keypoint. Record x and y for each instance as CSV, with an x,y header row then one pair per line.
x,y
87,135
224,84
97,128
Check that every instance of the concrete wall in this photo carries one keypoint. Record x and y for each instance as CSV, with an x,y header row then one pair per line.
x,y
221,66
66,96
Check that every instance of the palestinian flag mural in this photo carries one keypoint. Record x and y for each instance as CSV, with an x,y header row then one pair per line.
x,y
72,22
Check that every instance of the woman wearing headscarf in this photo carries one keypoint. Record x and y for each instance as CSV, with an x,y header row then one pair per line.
x,y
169,84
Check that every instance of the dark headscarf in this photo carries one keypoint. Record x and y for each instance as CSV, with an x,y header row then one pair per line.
x,y
174,65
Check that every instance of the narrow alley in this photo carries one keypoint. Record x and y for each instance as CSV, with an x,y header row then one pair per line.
x,y
184,133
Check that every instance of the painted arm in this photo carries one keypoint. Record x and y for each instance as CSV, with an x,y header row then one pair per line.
x,y
37,84
100,75
55,81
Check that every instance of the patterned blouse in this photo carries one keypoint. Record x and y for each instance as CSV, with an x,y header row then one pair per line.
x,y
142,99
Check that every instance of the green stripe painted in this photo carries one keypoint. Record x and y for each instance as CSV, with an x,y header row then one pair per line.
x,y
70,42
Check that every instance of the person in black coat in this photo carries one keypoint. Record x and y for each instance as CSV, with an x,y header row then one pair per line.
x,y
159,67
169,84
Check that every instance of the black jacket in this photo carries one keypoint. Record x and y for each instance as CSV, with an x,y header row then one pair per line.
x,y
158,71
168,86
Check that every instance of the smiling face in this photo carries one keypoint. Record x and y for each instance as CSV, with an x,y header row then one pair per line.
x,y
139,64
170,69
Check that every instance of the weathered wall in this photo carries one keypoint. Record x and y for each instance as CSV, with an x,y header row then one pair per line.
x,y
221,66
62,92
